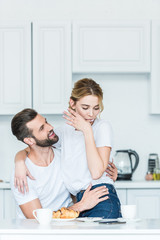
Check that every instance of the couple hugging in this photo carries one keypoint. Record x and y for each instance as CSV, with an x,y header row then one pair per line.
x,y
70,166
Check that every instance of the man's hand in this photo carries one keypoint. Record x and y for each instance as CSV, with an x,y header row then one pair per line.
x,y
112,171
92,197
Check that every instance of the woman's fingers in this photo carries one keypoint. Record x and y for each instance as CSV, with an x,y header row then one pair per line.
x,y
113,165
67,118
18,185
15,182
29,175
71,124
72,112
26,185
110,172
21,186
68,115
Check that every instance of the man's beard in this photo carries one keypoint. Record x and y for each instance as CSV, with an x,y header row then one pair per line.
x,y
46,142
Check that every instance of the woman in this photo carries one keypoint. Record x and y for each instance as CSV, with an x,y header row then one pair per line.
x,y
86,144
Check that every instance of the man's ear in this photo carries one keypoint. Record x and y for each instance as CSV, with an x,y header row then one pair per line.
x,y
72,103
29,141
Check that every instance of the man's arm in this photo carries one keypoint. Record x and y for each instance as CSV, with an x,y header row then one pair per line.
x,y
91,198
28,208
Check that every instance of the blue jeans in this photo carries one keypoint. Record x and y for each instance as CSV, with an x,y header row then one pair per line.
x,y
110,208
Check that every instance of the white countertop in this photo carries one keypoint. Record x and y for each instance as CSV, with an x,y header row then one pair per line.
x,y
5,185
118,184
137,184
31,226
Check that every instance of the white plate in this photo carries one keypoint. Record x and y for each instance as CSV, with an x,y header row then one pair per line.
x,y
62,219
129,219
88,219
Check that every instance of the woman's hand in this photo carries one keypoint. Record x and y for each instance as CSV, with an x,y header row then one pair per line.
x,y
92,197
20,178
75,120
112,171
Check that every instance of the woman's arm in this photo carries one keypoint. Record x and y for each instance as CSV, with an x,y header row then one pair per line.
x,y
97,158
21,155
21,171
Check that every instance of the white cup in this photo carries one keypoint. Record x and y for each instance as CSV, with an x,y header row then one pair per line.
x,y
43,215
128,211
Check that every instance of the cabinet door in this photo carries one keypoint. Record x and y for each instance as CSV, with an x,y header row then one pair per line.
x,y
146,200
122,194
1,204
111,46
51,66
9,205
155,70
15,67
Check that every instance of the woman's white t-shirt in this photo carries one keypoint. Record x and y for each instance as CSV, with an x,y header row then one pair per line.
x,y
75,172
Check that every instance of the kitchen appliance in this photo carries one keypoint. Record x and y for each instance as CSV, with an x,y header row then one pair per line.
x,y
126,162
153,162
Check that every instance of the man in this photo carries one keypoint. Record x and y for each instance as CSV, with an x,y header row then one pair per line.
x,y
43,162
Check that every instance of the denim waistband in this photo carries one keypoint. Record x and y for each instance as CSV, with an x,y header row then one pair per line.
x,y
109,186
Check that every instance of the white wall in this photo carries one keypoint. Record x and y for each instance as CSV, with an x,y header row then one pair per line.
x,y
126,96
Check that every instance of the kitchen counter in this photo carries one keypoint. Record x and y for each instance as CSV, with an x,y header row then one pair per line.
x,y
137,184
118,184
5,185
22,229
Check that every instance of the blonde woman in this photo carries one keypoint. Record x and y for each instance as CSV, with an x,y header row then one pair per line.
x,y
86,145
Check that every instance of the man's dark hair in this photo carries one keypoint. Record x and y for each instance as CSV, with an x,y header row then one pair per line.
x,y
19,121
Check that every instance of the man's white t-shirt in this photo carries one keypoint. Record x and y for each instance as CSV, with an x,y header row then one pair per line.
x,y
48,186
76,174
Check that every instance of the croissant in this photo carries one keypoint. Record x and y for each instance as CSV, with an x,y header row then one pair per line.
x,y
65,213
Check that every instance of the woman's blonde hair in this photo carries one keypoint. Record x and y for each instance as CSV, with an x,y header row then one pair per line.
x,y
85,87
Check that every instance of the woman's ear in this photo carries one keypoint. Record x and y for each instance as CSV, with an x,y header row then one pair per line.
x,y
72,103
29,141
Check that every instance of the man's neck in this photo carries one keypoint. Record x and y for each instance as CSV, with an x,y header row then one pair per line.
x,y
41,156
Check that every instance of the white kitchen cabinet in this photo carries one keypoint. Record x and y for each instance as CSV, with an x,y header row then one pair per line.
x,y
111,46
1,205
146,200
15,67
35,66
122,195
155,68
51,66
7,203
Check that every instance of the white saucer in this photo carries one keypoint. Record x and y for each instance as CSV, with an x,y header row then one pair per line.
x,y
129,219
88,219
62,219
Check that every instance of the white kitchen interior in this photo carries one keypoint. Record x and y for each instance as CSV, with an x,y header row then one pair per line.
x,y
130,83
